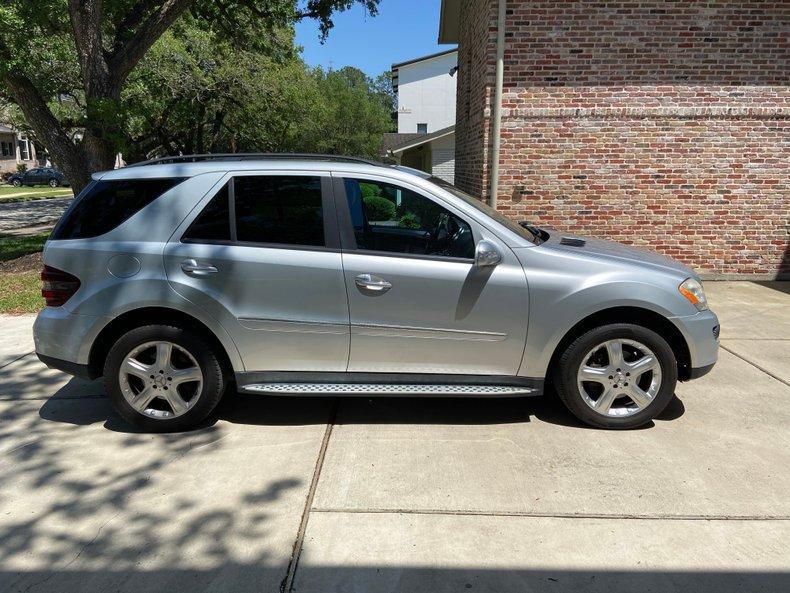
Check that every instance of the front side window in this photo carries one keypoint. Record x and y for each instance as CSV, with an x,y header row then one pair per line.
x,y
104,205
278,209
391,218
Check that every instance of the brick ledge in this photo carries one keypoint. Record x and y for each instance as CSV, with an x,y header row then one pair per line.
x,y
712,112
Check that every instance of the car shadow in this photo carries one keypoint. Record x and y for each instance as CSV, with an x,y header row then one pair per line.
x,y
237,408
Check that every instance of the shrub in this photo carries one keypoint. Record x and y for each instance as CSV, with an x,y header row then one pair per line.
x,y
378,208
409,220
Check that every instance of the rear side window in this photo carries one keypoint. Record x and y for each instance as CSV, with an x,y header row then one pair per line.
x,y
213,224
106,204
284,209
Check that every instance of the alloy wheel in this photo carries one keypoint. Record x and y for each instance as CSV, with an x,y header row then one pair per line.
x,y
160,379
619,377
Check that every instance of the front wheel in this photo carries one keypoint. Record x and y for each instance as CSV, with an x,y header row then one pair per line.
x,y
53,183
617,376
163,379
16,183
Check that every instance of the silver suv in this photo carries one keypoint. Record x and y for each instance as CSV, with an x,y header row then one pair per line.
x,y
304,275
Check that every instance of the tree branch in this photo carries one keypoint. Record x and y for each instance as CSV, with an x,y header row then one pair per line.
x,y
125,58
86,18
132,20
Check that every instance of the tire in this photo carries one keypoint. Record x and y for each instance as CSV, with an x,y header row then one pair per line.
x,y
16,183
53,183
612,387
180,400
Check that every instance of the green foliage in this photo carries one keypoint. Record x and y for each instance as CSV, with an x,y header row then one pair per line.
x,y
409,220
378,208
224,77
369,189
20,292
197,93
13,247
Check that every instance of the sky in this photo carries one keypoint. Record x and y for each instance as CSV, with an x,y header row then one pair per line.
x,y
403,29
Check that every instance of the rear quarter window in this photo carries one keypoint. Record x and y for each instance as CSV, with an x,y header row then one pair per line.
x,y
104,205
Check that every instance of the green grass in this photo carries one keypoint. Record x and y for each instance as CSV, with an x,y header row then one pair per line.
x,y
20,293
31,193
12,247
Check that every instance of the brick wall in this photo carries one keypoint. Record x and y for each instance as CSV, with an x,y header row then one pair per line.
x,y
653,123
476,55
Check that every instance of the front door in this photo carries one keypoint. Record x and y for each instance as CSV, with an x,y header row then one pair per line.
x,y
417,302
32,177
262,257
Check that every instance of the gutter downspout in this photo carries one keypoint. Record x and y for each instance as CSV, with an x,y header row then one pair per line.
x,y
500,78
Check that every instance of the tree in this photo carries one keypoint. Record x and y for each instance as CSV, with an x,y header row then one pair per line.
x,y
195,92
347,116
84,51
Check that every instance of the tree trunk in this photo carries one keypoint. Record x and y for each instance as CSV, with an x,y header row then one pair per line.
x,y
71,158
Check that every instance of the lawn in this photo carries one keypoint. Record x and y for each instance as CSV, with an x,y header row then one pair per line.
x,y
20,287
9,193
20,292
12,247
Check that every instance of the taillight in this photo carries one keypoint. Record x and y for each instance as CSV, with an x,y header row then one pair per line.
x,y
57,286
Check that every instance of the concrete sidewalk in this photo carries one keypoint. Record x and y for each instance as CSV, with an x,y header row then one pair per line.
x,y
406,494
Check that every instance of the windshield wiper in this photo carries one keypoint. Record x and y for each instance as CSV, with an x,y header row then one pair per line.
x,y
539,234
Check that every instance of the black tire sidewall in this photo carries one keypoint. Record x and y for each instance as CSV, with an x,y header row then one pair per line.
x,y
213,378
53,183
16,183
573,356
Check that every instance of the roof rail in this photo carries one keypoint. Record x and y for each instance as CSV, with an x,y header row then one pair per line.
x,y
199,158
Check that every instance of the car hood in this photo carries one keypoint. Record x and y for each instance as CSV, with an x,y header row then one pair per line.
x,y
616,252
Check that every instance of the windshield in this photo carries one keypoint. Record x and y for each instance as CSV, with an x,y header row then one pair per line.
x,y
488,211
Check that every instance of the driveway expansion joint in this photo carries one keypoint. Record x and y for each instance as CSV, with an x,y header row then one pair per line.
x,y
551,515
287,583
21,356
755,365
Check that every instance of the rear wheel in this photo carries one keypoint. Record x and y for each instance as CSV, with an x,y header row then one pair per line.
x,y
617,376
163,379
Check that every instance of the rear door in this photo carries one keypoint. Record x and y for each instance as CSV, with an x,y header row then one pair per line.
x,y
262,256
417,302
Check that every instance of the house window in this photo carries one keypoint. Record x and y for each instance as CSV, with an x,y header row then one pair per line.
x,y
24,152
5,148
422,128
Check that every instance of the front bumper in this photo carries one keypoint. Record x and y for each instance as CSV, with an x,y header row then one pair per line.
x,y
701,332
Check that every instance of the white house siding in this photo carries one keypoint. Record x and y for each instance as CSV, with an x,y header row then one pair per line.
x,y
14,147
426,94
443,158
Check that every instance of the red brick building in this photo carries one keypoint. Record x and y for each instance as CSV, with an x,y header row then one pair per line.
x,y
657,123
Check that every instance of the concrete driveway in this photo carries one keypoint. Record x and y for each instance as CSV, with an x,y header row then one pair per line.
x,y
406,494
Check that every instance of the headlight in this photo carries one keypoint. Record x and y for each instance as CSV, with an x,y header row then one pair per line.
x,y
694,293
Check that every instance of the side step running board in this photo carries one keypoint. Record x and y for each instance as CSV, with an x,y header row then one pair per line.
x,y
362,389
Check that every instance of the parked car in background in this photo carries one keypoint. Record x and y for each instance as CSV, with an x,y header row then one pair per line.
x,y
38,176
295,275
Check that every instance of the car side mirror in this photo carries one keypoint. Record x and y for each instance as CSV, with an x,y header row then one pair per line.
x,y
487,254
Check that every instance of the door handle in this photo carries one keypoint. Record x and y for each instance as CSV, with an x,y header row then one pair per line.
x,y
191,267
372,283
